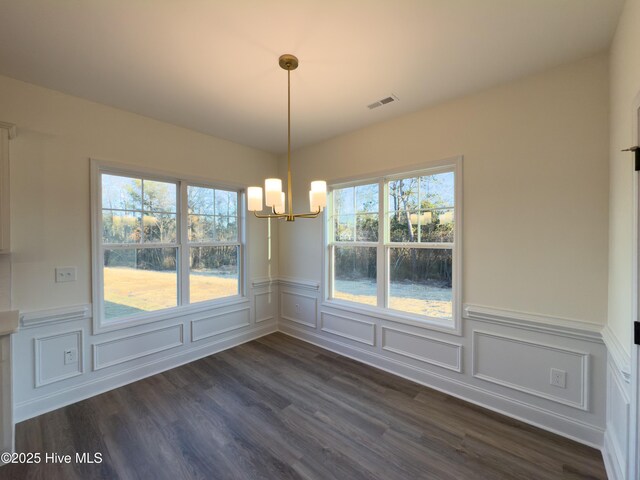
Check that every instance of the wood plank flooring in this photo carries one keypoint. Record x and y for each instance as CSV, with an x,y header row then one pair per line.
x,y
279,408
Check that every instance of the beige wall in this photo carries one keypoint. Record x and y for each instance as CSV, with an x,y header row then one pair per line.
x,y
50,197
625,86
535,188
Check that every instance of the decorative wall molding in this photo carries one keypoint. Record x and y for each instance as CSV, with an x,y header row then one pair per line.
x,y
39,342
137,350
617,435
95,385
547,419
226,327
297,316
265,318
454,348
56,315
537,323
369,328
620,357
298,283
264,282
584,374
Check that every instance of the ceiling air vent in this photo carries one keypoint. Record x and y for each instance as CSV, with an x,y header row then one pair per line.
x,y
384,101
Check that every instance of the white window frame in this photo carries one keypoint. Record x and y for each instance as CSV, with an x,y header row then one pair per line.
x,y
100,324
383,246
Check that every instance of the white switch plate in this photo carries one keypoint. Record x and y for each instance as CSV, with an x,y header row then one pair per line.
x,y
70,356
558,378
65,274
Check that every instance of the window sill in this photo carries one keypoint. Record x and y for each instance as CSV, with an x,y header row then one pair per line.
x,y
102,326
447,326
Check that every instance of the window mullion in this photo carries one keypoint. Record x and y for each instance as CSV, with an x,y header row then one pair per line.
x,y
380,250
183,266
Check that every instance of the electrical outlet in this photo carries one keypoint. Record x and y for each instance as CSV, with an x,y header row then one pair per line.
x,y
558,378
70,356
65,274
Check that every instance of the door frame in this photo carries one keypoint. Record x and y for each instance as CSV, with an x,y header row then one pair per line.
x,y
634,423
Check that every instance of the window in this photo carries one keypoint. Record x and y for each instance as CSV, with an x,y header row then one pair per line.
x,y
163,243
393,243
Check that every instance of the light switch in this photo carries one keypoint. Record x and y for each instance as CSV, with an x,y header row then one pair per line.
x,y
65,274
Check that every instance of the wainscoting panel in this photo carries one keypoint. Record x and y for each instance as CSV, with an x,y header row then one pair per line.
x,y
125,349
526,366
266,306
207,326
506,367
50,360
119,357
422,348
348,327
616,441
299,308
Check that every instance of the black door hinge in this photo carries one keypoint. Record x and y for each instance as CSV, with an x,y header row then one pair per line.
x,y
636,333
636,151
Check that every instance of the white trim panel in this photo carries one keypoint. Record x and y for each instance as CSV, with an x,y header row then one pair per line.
x,y
563,327
616,439
55,315
130,347
621,359
264,312
45,360
299,308
212,325
460,387
574,363
415,346
348,327
35,406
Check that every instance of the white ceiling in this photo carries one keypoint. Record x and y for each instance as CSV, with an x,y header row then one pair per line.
x,y
211,65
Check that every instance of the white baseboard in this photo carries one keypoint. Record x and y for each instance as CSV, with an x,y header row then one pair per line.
x,y
539,417
43,404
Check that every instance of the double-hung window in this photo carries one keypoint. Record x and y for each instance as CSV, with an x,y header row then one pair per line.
x,y
393,243
162,243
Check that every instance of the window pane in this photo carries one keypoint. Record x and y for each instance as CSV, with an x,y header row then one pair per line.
x,y
201,228
226,229
214,272
437,191
226,203
200,200
139,280
403,226
367,227
159,227
420,281
403,194
343,201
367,198
121,227
122,193
159,196
437,226
354,276
344,228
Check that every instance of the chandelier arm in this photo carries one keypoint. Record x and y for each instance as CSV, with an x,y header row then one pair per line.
x,y
306,215
275,215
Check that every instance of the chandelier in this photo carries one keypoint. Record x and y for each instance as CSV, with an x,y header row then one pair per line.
x,y
274,197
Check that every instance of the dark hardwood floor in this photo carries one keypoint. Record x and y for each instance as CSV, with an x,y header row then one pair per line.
x,y
279,408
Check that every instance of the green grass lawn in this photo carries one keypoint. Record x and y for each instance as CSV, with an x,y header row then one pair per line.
x,y
128,291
